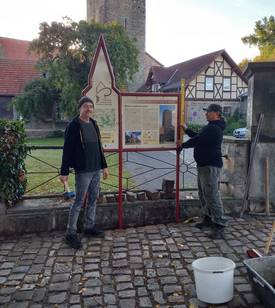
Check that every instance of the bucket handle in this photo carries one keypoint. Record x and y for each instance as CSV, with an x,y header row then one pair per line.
x,y
258,281
218,272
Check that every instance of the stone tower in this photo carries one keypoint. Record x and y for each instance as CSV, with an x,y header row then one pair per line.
x,y
131,15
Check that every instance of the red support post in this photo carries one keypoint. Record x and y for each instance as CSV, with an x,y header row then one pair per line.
x,y
178,163
120,166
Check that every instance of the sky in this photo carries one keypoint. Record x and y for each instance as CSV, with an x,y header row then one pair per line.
x,y
176,30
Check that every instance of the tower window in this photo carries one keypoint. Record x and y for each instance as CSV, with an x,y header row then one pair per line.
x,y
125,23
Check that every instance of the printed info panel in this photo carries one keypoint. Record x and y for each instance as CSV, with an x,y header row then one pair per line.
x,y
149,121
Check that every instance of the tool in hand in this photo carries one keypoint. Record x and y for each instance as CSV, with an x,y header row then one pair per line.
x,y
68,194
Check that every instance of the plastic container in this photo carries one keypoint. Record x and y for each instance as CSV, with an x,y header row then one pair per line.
x,y
261,273
214,279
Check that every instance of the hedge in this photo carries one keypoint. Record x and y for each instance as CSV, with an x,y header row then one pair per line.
x,y
12,167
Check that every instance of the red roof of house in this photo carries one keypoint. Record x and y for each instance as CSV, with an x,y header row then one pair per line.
x,y
14,74
15,49
17,66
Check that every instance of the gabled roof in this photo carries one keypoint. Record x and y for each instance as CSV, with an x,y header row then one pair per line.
x,y
170,77
14,74
15,49
17,66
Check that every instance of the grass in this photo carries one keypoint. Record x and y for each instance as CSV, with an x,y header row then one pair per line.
x,y
43,168
45,141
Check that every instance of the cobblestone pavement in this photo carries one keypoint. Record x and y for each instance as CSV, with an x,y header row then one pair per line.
x,y
137,267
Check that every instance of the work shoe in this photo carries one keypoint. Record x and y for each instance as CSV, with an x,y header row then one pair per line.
x,y
94,232
217,232
205,224
73,241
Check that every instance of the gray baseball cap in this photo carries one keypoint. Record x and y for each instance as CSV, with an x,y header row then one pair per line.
x,y
213,108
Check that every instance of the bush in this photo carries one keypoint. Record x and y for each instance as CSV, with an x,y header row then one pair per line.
x,y
12,168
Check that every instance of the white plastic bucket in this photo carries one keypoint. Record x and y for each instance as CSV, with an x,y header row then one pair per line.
x,y
214,279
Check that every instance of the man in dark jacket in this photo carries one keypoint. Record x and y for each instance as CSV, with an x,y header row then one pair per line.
x,y
83,152
207,154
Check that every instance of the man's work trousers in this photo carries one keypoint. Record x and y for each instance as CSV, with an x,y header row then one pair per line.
x,y
209,194
87,182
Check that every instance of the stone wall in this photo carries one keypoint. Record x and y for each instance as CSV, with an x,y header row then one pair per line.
x,y
258,174
235,166
44,133
46,215
196,115
234,175
261,98
39,129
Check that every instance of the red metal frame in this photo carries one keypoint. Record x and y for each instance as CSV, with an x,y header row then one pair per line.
x,y
120,166
178,167
101,45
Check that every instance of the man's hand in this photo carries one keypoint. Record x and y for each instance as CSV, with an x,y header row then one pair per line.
x,y
184,126
179,148
63,178
105,173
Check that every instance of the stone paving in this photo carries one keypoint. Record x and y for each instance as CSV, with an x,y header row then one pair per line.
x,y
137,267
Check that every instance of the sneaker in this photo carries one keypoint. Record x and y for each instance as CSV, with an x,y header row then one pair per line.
x,y
94,232
217,232
73,241
205,224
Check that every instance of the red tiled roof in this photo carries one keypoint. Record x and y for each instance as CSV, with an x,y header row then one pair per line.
x,y
15,49
14,74
170,77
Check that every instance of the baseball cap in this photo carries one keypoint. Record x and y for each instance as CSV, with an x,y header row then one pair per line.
x,y
214,108
83,100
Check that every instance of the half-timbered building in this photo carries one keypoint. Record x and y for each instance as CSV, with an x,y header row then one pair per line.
x,y
213,77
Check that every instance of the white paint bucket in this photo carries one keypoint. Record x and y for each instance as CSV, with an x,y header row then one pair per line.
x,y
214,279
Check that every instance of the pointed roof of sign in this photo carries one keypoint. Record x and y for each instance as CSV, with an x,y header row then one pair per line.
x,y
101,53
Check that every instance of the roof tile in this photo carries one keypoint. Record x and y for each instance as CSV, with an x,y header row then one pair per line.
x,y
15,49
14,74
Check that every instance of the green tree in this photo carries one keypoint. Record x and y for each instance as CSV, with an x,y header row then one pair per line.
x,y
264,38
66,50
242,65
39,99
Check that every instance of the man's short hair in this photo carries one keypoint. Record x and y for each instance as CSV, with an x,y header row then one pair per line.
x,y
83,100
213,108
